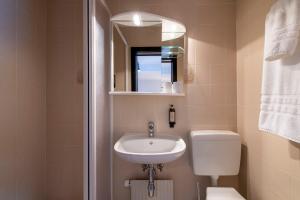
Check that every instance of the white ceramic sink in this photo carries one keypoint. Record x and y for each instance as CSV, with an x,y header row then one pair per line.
x,y
139,148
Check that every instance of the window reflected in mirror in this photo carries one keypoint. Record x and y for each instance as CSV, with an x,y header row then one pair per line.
x,y
150,70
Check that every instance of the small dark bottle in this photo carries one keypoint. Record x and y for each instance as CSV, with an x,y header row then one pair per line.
x,y
172,116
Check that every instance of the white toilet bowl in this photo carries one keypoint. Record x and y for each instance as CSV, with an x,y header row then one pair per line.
x,y
222,193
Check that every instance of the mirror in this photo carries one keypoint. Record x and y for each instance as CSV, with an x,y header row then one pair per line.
x,y
147,54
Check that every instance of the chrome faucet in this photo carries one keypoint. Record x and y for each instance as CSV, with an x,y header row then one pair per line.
x,y
151,129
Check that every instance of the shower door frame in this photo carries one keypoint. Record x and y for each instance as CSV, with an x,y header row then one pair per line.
x,y
89,158
86,97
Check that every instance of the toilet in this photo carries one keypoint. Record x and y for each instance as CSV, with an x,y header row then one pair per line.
x,y
216,153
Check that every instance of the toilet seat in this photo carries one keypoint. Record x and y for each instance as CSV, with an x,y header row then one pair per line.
x,y
219,193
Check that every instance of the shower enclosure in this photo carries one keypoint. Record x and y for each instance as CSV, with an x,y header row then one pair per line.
x,y
41,99
54,103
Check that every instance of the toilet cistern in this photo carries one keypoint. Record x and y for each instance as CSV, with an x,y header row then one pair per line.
x,y
151,129
215,153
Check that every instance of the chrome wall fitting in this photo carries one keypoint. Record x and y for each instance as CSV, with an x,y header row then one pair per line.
x,y
151,176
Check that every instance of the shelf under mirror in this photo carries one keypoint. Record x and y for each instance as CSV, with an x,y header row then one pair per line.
x,y
122,93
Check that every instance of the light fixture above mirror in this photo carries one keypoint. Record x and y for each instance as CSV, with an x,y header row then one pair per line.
x,y
170,29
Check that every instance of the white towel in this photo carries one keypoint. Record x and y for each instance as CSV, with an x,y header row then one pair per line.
x,y
282,29
280,101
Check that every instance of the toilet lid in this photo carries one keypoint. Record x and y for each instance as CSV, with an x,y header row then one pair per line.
x,y
219,193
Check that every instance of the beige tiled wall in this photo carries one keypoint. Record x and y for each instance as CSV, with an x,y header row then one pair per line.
x,y
22,99
64,100
210,101
271,165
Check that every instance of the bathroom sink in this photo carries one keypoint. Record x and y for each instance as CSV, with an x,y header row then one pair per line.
x,y
142,149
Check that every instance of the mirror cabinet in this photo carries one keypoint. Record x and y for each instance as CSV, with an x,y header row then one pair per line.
x,y
148,55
